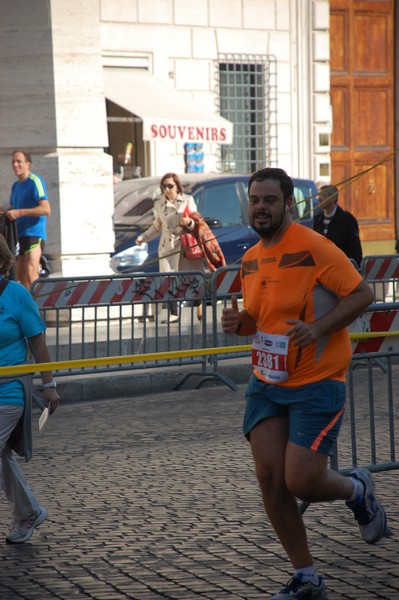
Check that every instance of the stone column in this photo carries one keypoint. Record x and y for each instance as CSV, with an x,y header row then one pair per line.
x,y
52,104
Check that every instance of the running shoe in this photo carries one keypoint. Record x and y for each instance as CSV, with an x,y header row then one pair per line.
x,y
22,531
298,589
369,512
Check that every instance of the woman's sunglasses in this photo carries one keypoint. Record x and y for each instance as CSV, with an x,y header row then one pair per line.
x,y
168,186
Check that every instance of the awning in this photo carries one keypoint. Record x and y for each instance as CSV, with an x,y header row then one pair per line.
x,y
166,113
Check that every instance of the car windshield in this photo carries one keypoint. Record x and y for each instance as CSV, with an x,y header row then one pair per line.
x,y
221,203
303,193
134,201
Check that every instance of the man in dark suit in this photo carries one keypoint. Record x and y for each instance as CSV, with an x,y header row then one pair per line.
x,y
338,225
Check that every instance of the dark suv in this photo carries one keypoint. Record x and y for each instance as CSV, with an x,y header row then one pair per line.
x,y
222,199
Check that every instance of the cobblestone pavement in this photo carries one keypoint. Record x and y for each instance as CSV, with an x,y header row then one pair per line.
x,y
155,497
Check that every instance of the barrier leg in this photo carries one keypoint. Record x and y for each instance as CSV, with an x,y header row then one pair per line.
x,y
374,361
211,376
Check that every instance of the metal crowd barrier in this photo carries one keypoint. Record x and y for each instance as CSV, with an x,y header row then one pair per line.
x,y
370,421
382,273
371,417
119,315
116,316
94,317
225,284
371,392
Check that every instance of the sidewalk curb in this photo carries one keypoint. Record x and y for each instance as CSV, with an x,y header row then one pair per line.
x,y
80,388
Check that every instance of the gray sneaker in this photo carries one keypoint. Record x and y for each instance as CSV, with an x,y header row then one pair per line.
x,y
297,589
369,513
22,531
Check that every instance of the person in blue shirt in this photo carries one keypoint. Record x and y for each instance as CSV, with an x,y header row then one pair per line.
x,y
29,207
21,330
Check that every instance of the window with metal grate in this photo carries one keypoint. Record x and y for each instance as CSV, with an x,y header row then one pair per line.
x,y
247,92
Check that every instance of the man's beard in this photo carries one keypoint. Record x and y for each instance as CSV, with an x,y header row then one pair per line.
x,y
268,232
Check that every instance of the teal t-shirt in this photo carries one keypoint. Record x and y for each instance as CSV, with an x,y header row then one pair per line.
x,y
27,194
19,319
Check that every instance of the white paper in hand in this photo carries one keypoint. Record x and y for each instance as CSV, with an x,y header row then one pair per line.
x,y
43,418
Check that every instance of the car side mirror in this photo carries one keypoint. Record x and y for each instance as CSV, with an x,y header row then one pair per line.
x,y
213,223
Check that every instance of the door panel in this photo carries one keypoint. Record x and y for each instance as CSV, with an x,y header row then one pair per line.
x,y
371,29
362,85
371,194
342,173
340,101
371,129
339,40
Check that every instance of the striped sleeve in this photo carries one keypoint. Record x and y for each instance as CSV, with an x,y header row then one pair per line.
x,y
39,186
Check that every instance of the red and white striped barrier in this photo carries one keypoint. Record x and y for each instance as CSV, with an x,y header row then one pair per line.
x,y
65,293
378,321
228,281
380,268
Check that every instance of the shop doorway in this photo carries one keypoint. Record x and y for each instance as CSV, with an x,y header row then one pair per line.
x,y
126,146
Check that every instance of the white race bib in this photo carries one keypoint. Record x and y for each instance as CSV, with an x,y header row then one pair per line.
x,y
269,356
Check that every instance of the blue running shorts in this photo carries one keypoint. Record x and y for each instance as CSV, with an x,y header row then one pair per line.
x,y
314,411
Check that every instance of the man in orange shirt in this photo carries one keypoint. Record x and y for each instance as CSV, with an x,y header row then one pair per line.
x,y
300,292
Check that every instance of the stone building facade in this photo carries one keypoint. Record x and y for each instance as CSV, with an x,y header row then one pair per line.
x,y
95,86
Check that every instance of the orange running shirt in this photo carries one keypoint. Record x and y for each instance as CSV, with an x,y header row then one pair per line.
x,y
302,277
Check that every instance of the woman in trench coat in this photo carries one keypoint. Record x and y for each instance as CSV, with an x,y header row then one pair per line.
x,y
172,218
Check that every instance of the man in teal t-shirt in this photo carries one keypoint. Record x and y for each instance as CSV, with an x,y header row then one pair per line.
x,y
29,207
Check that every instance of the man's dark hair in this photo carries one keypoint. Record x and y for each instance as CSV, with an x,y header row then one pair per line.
x,y
27,155
331,190
286,183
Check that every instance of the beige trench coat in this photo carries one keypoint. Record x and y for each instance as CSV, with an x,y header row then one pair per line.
x,y
166,223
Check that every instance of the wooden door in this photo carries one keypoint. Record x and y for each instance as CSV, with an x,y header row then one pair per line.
x,y
362,98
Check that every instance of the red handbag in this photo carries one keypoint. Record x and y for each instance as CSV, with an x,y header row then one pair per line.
x,y
191,248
